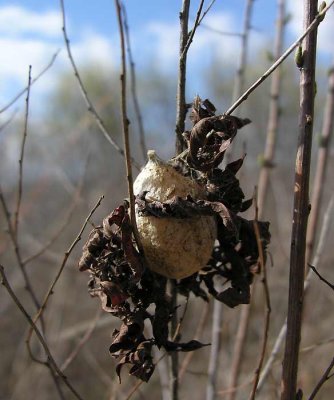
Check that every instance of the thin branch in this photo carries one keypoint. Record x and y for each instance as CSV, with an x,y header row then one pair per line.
x,y
174,357
181,107
206,11
66,256
65,219
316,260
240,76
74,353
267,303
9,120
191,34
24,137
21,93
134,86
90,107
220,32
28,285
274,113
125,126
325,377
321,168
242,329
321,277
199,330
39,335
300,206
319,17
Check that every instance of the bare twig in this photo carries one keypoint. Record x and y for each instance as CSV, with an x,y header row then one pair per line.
x,y
66,219
320,174
206,11
17,252
325,377
20,181
39,335
274,113
316,259
8,121
300,207
191,34
240,76
181,107
66,256
74,353
200,327
214,350
100,123
220,32
125,126
239,83
267,303
21,93
319,17
321,277
52,240
174,357
134,86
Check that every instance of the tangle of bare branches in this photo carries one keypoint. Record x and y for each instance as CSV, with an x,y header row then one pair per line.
x,y
90,107
319,17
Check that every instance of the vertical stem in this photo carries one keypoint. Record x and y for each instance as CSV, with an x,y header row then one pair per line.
x,y
181,107
245,309
20,183
214,350
174,357
300,208
273,117
125,125
240,77
319,179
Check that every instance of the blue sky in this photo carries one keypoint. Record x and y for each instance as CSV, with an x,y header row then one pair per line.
x,y
30,33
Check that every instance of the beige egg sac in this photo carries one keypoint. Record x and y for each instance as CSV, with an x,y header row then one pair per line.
x,y
175,248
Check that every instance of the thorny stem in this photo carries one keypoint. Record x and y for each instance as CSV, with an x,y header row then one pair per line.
x,y
325,377
24,137
319,17
21,93
300,207
181,107
39,335
125,123
134,87
84,93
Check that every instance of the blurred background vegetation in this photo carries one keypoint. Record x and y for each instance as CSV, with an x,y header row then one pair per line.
x,y
68,164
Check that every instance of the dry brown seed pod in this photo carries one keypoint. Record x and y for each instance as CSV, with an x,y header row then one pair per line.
x,y
175,248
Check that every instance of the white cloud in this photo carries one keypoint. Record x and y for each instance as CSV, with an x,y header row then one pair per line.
x,y
31,38
163,39
15,20
325,31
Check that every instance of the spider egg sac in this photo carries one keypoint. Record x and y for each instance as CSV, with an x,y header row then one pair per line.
x,y
173,247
